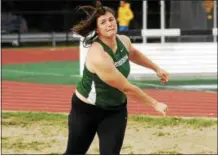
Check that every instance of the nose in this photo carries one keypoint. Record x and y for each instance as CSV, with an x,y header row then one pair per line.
x,y
109,24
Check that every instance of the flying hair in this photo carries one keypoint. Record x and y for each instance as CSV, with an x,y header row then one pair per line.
x,y
86,28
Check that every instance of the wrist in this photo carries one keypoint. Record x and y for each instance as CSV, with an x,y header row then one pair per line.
x,y
154,104
156,69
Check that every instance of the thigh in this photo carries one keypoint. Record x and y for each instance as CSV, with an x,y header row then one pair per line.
x,y
111,132
82,129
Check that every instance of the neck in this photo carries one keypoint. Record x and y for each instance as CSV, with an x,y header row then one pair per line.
x,y
110,42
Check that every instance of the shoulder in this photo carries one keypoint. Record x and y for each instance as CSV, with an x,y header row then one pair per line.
x,y
95,48
96,53
125,40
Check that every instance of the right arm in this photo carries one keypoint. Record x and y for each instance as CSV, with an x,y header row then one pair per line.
x,y
103,65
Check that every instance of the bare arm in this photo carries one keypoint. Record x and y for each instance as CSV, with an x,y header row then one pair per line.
x,y
103,66
137,57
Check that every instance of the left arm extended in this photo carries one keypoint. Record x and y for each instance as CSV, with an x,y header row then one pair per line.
x,y
137,57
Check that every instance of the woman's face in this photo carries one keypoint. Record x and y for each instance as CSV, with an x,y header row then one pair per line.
x,y
106,25
122,3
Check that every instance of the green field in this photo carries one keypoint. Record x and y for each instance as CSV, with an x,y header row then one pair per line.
x,y
64,73
67,73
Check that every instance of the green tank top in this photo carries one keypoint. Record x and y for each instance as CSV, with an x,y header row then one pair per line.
x,y
97,91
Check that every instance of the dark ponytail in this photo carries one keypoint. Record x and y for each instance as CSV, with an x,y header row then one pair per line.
x,y
86,28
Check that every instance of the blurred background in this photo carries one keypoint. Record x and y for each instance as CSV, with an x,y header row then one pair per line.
x,y
195,19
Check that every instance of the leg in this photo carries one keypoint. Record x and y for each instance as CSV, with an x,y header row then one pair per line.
x,y
82,130
111,132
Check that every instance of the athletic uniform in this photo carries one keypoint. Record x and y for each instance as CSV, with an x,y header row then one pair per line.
x,y
107,113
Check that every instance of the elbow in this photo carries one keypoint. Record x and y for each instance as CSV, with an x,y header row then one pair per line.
x,y
129,89
113,83
126,88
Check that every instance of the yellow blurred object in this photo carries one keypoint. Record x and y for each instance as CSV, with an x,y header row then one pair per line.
x,y
208,5
209,17
125,15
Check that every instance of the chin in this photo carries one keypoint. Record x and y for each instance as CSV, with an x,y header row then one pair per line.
x,y
111,34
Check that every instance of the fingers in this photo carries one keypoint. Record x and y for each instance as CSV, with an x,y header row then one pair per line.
x,y
165,76
166,110
161,108
164,113
163,81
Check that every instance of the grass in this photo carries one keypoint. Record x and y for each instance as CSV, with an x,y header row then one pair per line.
x,y
53,153
22,118
63,73
34,116
35,145
184,81
127,147
170,152
173,121
44,133
161,133
5,138
96,149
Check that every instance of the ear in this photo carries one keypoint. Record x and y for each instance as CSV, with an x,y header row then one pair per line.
x,y
96,30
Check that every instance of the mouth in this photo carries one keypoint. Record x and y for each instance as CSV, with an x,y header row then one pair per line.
x,y
110,30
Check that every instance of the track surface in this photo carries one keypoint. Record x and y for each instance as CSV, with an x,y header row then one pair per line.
x,y
17,96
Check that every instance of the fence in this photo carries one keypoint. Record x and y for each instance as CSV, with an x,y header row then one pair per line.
x,y
148,33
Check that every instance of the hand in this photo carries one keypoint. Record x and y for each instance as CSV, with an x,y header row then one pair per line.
x,y
161,108
164,76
